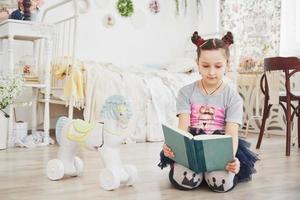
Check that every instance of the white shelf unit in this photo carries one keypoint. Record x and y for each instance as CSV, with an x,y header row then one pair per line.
x,y
40,34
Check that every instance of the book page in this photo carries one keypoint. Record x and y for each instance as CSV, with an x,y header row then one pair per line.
x,y
208,137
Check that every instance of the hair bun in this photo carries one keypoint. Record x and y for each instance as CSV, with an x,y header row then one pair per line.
x,y
197,40
228,38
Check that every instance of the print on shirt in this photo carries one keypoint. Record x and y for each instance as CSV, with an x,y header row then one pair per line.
x,y
208,118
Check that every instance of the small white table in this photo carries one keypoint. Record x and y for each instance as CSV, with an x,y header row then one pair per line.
x,y
40,35
251,79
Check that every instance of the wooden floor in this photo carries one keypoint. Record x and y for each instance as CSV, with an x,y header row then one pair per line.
x,y
22,176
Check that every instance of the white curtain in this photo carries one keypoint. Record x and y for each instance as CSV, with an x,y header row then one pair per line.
x,y
290,28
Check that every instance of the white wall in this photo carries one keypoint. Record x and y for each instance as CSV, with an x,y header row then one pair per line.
x,y
162,38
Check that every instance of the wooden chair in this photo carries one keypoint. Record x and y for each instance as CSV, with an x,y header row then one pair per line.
x,y
289,65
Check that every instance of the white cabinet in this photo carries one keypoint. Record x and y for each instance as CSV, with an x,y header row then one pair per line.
x,y
40,35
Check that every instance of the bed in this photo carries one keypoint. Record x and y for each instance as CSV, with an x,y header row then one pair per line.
x,y
151,93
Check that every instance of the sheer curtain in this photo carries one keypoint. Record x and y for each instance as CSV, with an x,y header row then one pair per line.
x,y
290,28
290,37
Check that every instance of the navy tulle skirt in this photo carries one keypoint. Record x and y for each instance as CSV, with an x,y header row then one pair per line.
x,y
246,157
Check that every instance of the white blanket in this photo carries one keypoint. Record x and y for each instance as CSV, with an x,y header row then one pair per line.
x,y
152,94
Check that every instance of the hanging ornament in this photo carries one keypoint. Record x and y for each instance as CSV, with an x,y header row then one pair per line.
x,y
108,21
125,8
138,19
177,7
84,6
199,6
154,6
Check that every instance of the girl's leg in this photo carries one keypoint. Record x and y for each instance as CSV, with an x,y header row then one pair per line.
x,y
220,181
183,178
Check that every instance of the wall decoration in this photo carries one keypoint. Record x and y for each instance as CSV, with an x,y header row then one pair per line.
x,y
84,6
184,4
154,6
125,8
199,5
138,19
177,7
101,3
108,21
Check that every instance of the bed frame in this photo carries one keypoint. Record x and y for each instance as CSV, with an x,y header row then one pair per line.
x,y
64,44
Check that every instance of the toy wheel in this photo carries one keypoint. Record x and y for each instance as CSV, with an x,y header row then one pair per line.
x,y
132,172
109,180
55,169
79,166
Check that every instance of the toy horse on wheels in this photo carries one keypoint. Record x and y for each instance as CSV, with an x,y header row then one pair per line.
x,y
72,135
105,137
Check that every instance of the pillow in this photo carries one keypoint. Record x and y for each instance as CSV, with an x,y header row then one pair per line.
x,y
182,65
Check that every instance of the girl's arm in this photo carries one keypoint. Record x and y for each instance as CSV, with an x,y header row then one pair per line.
x,y
184,121
232,129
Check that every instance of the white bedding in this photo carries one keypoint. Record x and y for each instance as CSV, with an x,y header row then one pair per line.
x,y
152,94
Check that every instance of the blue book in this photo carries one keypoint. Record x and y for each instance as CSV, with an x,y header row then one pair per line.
x,y
201,153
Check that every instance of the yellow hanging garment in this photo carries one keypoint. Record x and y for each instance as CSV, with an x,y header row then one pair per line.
x,y
75,87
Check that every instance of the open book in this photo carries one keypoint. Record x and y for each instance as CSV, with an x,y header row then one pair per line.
x,y
199,153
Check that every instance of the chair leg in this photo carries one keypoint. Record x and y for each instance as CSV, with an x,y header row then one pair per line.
x,y
288,128
263,123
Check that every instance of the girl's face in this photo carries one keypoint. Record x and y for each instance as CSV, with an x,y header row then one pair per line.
x,y
212,66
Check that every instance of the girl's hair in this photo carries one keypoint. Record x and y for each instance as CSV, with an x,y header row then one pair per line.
x,y
213,44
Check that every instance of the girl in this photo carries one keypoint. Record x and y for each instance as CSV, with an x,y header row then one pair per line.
x,y
211,106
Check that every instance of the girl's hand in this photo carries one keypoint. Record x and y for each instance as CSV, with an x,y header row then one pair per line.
x,y
168,152
233,166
